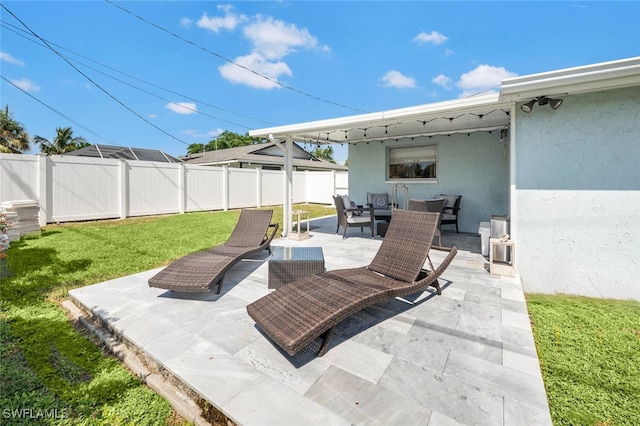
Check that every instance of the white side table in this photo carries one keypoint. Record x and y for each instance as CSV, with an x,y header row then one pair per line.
x,y
502,268
296,232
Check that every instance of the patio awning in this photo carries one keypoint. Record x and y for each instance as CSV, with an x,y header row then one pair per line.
x,y
466,115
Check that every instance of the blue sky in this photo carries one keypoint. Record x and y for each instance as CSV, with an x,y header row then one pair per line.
x,y
165,74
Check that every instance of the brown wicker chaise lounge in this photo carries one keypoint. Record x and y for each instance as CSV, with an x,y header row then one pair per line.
x,y
299,312
200,271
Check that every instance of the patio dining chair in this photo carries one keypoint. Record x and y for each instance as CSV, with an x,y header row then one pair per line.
x,y
451,210
200,271
350,215
298,313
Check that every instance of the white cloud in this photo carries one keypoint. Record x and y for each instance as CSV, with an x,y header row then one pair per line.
x,y
433,37
398,80
442,80
271,41
229,21
26,85
260,65
274,39
184,108
208,135
484,78
4,56
186,22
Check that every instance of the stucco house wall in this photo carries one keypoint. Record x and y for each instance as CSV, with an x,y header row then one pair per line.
x,y
578,195
475,166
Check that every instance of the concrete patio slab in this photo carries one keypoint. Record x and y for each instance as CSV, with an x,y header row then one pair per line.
x,y
465,357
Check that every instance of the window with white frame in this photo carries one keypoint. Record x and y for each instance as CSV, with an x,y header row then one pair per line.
x,y
412,162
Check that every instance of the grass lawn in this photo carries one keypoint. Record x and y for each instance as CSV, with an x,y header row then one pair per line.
x,y
589,349
589,352
56,371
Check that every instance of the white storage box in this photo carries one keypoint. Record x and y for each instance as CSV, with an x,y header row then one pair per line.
x,y
484,230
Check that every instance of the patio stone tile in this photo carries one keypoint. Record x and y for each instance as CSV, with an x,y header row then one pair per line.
x,y
525,361
358,359
496,378
518,413
448,395
268,402
516,319
265,357
163,345
518,337
211,372
216,329
482,321
400,323
519,351
418,351
494,299
458,340
439,419
360,402
454,293
515,294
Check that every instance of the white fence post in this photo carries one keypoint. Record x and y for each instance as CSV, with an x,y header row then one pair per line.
x,y
182,188
43,192
259,187
225,188
124,190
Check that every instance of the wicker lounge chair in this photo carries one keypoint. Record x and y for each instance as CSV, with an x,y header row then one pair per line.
x,y
200,271
299,312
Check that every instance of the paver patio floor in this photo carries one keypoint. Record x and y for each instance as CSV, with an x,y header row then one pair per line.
x,y
465,357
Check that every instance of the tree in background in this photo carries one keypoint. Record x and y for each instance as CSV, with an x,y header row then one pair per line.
x,y
13,138
63,142
324,153
194,148
224,140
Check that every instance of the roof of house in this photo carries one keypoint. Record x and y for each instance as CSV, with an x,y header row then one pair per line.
x,y
465,115
265,154
127,153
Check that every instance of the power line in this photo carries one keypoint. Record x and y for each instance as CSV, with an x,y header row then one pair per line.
x,y
161,28
91,80
15,29
53,109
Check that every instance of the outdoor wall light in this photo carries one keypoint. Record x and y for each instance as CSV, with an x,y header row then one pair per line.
x,y
555,103
542,100
528,107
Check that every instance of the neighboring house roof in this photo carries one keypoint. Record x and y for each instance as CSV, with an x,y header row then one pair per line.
x,y
464,115
267,154
111,151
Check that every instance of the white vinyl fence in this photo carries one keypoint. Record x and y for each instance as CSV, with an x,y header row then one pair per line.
x,y
82,188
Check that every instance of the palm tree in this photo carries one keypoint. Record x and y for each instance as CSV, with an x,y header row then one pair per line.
x,y
13,138
324,153
63,142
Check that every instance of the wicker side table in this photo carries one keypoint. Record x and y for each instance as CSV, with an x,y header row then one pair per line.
x,y
287,264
